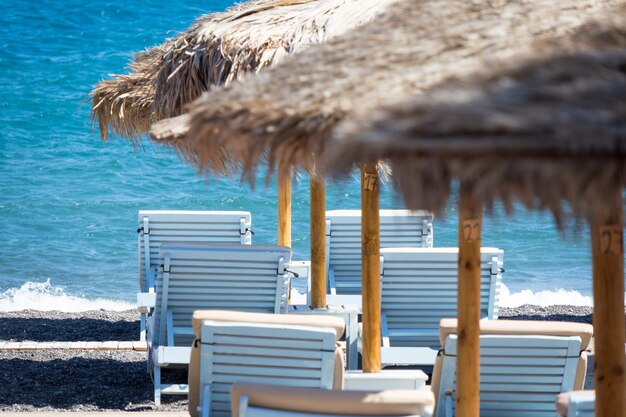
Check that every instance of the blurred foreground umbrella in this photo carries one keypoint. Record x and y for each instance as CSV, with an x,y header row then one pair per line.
x,y
546,128
285,116
217,49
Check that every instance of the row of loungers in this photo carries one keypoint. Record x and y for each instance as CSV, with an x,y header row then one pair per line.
x,y
524,366
418,287
399,228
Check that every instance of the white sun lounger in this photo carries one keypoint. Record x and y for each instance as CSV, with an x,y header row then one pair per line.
x,y
201,276
164,226
523,366
293,350
256,400
398,228
576,404
418,289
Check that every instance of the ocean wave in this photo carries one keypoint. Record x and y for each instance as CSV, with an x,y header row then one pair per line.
x,y
544,298
510,299
44,296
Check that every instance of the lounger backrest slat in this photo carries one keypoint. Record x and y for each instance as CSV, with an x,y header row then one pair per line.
x,y
218,277
398,228
159,227
520,375
266,353
419,288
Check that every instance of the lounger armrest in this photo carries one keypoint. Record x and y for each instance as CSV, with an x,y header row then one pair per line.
x,y
146,301
302,268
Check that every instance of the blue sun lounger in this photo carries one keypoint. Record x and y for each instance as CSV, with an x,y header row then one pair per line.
x,y
204,277
398,228
524,365
156,227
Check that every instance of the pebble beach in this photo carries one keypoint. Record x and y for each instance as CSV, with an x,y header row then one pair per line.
x,y
117,380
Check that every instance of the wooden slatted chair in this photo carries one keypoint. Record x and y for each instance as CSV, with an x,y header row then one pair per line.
x,y
256,400
418,289
576,404
165,226
294,350
523,366
195,276
398,228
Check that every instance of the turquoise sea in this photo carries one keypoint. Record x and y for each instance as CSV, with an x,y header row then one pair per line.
x,y
68,204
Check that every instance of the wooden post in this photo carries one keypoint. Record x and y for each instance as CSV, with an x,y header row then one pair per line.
x,y
607,248
468,330
318,242
284,209
370,275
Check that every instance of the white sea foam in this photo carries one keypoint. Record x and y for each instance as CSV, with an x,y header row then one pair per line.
x,y
544,298
509,299
47,297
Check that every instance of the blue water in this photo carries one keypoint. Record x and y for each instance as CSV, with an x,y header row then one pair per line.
x,y
68,204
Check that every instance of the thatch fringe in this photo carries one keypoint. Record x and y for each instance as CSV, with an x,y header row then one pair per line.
x,y
283,116
216,50
123,105
547,130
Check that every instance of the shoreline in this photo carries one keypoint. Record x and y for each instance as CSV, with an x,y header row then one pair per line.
x,y
60,380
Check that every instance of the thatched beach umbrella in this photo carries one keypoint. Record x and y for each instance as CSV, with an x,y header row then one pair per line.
x,y
547,129
284,116
216,50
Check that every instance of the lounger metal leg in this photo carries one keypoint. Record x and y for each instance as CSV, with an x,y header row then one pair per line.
x,y
142,328
157,385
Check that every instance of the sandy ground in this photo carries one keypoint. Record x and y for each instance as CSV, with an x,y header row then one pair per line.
x,y
70,380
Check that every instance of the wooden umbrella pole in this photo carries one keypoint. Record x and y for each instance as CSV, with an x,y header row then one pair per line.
x,y
468,330
370,278
318,242
284,209
607,247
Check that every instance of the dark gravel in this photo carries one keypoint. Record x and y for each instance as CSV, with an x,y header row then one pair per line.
x,y
64,380
55,326
552,313
73,380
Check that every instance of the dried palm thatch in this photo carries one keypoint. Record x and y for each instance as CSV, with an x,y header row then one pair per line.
x,y
217,49
547,129
284,115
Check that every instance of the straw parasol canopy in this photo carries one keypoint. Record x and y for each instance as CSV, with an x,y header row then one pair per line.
x,y
285,115
217,49
545,128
